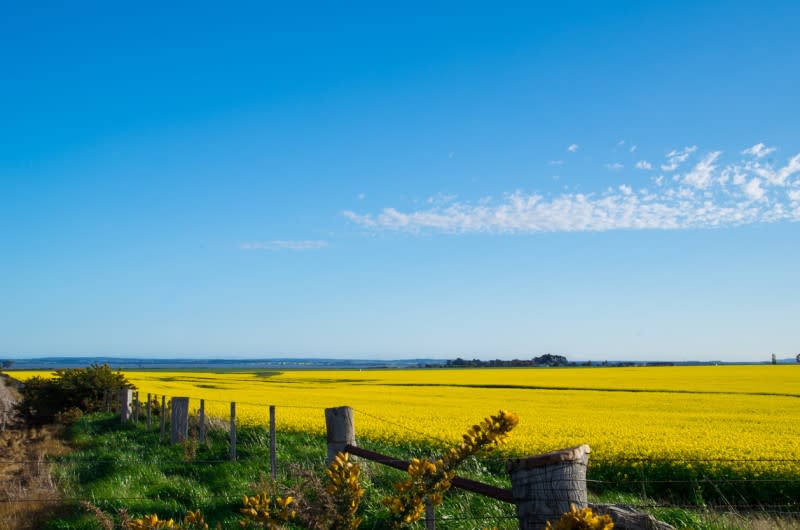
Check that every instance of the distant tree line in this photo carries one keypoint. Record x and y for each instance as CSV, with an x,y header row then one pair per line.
x,y
547,359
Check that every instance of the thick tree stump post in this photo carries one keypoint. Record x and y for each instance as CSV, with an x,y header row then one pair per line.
x,y
545,486
341,430
233,431
201,435
149,412
179,426
125,400
272,452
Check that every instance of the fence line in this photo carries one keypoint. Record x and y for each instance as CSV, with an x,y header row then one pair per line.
x,y
129,405
776,509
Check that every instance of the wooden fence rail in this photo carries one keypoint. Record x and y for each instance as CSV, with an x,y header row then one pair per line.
x,y
542,487
481,488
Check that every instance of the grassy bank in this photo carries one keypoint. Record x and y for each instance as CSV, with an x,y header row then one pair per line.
x,y
116,468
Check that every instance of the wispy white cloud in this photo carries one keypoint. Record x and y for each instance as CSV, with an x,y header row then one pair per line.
x,y
572,148
555,162
632,149
703,172
362,196
294,245
710,194
441,198
644,164
759,150
677,157
616,166
754,190
775,176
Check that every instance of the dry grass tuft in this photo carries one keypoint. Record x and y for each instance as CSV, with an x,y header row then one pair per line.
x,y
102,517
28,494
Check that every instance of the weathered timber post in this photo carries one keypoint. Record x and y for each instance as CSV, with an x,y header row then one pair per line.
x,y
125,398
163,418
341,430
202,426
233,430
136,407
179,424
430,515
545,486
149,412
272,452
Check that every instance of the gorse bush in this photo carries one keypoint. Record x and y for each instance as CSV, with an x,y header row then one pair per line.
x,y
75,389
345,491
430,479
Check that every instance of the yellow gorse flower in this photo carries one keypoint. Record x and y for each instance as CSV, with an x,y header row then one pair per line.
x,y
266,510
584,519
193,521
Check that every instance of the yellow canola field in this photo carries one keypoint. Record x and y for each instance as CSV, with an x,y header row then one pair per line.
x,y
708,412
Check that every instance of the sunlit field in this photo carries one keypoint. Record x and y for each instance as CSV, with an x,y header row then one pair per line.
x,y
745,414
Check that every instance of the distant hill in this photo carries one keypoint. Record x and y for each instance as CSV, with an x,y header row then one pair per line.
x,y
54,363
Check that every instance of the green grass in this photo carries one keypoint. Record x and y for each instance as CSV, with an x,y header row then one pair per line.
x,y
116,467
127,467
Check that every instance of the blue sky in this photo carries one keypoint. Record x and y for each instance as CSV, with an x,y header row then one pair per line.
x,y
600,180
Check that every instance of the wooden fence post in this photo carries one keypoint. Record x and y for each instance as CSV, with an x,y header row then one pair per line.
x,y
272,453
202,426
341,430
179,424
545,486
149,412
163,417
136,407
430,515
125,398
233,430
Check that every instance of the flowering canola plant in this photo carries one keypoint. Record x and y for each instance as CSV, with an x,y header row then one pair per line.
x,y
741,418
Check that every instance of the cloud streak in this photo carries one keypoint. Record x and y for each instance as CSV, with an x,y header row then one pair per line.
x,y
709,195
676,157
293,245
759,150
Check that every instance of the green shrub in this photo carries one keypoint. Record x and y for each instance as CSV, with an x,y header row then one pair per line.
x,y
84,389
